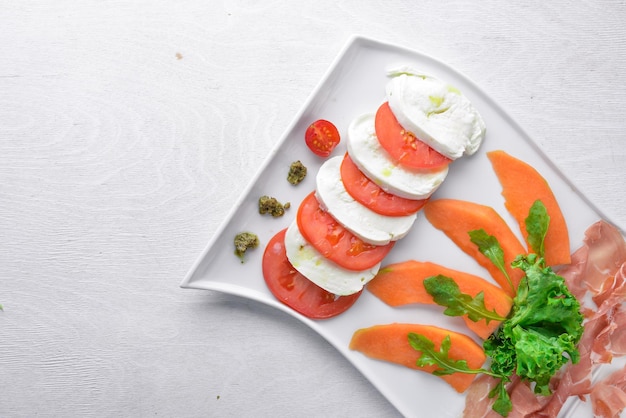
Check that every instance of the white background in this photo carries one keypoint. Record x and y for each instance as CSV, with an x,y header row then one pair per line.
x,y
128,130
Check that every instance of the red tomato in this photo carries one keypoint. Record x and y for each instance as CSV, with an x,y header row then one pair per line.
x,y
322,137
334,241
370,195
296,291
402,145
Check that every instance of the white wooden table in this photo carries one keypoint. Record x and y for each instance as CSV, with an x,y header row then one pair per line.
x,y
127,130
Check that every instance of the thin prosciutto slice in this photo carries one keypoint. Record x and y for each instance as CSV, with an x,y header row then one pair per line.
x,y
600,267
602,254
608,397
618,336
478,404
477,401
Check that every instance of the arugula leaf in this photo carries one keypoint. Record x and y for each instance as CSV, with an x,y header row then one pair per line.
x,y
445,292
502,404
431,357
537,224
489,246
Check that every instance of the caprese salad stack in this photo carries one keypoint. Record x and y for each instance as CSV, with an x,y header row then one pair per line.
x,y
368,199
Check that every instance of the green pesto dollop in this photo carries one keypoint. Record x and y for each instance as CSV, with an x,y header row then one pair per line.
x,y
272,206
297,172
243,242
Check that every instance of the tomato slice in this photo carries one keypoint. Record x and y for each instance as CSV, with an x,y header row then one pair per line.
x,y
402,145
372,196
334,241
296,291
322,137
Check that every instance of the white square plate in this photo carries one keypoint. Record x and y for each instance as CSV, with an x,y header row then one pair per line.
x,y
355,84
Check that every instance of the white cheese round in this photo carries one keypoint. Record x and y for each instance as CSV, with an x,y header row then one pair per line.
x,y
321,271
435,112
366,224
371,158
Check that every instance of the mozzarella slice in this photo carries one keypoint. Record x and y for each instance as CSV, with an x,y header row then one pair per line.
x,y
321,271
366,224
371,158
435,112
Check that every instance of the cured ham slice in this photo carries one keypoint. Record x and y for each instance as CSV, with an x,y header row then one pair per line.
x,y
602,254
477,401
574,273
525,402
613,290
618,337
608,397
598,268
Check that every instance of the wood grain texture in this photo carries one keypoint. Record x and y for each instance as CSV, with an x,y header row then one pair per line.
x,y
128,131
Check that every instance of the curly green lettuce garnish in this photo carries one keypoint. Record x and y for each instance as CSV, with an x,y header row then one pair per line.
x,y
446,292
542,331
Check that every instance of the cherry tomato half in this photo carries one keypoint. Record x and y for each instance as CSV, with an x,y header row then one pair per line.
x,y
296,291
402,145
334,241
322,137
372,196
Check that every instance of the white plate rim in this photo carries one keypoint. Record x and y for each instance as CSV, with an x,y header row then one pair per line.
x,y
354,42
